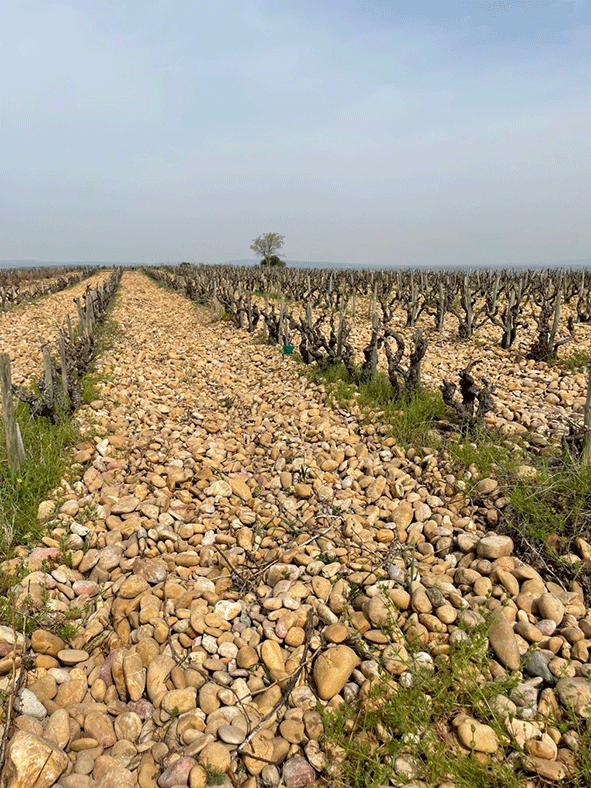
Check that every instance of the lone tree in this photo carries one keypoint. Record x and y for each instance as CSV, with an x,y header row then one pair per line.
x,y
267,246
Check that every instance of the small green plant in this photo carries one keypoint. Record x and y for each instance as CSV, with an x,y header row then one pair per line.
x,y
556,501
577,360
214,776
411,422
487,453
67,630
402,731
46,457
21,491
188,375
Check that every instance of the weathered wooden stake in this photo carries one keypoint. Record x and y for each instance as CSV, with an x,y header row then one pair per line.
x,y
282,321
81,316
89,315
48,375
70,329
14,443
64,366
586,455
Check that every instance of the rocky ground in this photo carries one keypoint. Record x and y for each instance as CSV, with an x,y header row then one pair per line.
x,y
530,396
223,514
26,327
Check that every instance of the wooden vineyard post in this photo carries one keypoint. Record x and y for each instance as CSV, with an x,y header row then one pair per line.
x,y
374,329
282,338
586,455
48,375
70,329
240,312
64,366
14,443
265,330
89,314
340,331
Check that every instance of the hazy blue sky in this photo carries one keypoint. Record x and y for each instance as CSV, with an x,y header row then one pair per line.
x,y
365,131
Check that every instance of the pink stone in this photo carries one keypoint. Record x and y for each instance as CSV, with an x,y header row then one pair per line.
x,y
44,553
297,773
143,708
85,587
105,672
177,773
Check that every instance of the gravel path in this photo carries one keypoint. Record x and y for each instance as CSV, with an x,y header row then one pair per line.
x,y
24,328
223,515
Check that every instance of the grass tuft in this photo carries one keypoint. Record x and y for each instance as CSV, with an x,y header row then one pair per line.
x,y
46,458
21,491
410,423
401,731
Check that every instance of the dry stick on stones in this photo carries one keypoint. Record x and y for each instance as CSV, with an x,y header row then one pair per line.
x,y
288,690
263,569
233,780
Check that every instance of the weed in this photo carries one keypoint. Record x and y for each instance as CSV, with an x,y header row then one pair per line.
x,y
410,423
556,501
486,452
214,776
188,375
228,402
577,360
27,614
45,462
400,730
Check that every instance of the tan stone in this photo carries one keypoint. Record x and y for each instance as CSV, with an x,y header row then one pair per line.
x,y
332,670
476,736
43,642
33,760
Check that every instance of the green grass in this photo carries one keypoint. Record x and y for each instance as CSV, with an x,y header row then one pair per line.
x,y
26,615
214,776
577,360
410,423
21,491
414,723
46,459
487,452
556,502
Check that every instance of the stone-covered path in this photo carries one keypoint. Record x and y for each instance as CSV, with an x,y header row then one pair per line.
x,y
223,513
24,328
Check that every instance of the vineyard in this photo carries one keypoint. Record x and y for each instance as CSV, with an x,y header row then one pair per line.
x,y
284,527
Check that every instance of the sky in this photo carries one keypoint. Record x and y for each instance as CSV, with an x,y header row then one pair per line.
x,y
431,132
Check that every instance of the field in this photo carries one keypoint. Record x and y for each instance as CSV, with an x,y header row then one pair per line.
x,y
302,528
